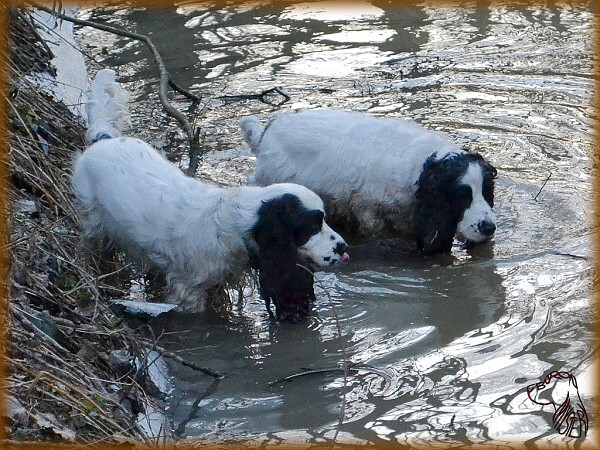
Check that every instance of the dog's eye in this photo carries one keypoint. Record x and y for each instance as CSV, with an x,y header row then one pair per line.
x,y
463,196
464,193
308,226
313,228
317,226
316,222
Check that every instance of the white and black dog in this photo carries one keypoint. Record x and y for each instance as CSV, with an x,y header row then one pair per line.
x,y
379,174
198,234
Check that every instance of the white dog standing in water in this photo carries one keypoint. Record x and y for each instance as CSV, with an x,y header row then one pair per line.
x,y
198,234
379,174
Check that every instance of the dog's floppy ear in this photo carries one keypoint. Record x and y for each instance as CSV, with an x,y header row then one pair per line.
x,y
433,223
273,232
291,290
281,281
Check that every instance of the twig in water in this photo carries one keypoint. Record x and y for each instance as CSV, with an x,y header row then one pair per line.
x,y
180,360
345,366
543,185
352,367
451,426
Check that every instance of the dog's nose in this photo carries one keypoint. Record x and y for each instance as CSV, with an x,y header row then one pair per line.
x,y
487,228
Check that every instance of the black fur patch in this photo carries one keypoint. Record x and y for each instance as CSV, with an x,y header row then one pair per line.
x,y
441,201
284,224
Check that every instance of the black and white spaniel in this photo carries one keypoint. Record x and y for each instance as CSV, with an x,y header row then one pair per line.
x,y
379,174
198,234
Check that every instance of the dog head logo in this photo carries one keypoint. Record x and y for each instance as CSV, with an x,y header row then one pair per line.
x,y
559,389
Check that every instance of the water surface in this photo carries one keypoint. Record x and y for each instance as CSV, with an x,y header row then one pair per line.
x,y
450,343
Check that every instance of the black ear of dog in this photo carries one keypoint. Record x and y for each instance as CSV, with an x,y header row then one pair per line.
x,y
281,281
489,175
433,223
291,292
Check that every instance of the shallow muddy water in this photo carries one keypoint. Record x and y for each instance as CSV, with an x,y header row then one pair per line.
x,y
442,348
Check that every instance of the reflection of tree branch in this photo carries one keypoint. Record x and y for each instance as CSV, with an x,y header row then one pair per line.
x,y
263,97
165,80
571,255
346,363
194,98
355,367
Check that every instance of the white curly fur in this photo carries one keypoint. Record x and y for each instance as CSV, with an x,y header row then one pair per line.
x,y
106,107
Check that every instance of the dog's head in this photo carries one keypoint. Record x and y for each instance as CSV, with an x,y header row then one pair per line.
x,y
291,232
455,196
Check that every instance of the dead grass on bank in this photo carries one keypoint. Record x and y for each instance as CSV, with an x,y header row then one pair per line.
x,y
60,340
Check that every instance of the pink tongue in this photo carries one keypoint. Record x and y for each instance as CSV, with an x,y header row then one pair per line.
x,y
345,258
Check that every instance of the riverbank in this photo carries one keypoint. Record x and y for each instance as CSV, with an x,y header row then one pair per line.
x,y
74,371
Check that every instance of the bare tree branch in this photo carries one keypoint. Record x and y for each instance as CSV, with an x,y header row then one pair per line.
x,y
165,80
543,186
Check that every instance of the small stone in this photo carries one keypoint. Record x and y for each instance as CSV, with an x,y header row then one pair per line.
x,y
25,207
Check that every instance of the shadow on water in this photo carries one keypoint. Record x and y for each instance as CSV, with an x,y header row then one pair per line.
x,y
441,348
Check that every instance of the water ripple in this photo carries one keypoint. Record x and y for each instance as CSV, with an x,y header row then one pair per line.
x,y
448,344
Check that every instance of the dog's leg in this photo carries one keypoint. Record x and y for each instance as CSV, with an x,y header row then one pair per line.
x,y
268,306
189,299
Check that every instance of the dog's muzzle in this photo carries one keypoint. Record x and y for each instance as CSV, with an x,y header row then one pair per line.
x,y
339,250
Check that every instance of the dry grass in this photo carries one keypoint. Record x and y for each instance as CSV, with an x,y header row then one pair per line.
x,y
61,383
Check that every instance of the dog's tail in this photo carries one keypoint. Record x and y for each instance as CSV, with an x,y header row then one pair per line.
x,y
253,132
106,107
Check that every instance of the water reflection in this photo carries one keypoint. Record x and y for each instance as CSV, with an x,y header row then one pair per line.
x,y
451,342
397,336
331,11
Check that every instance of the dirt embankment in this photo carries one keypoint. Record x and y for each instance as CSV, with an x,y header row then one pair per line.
x,y
69,363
